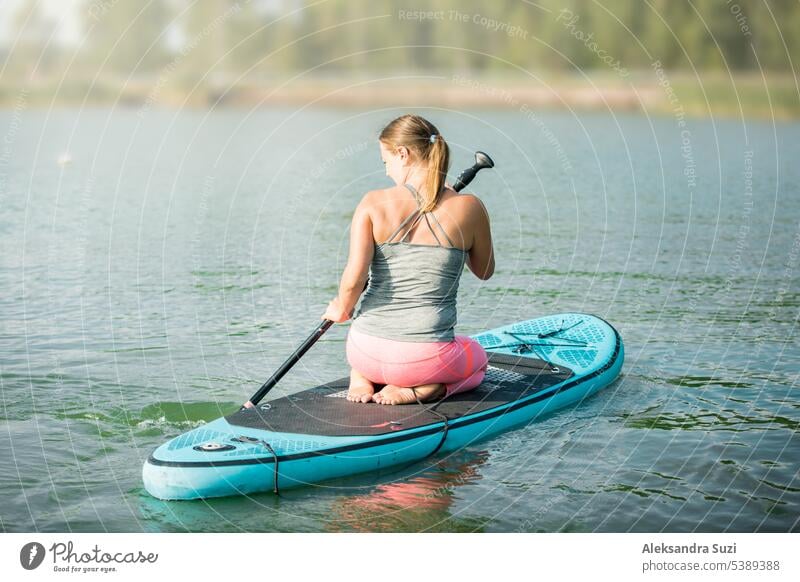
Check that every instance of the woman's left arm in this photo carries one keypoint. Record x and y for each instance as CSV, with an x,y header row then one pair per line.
x,y
354,278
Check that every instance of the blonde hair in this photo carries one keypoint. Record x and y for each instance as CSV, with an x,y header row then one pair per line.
x,y
421,136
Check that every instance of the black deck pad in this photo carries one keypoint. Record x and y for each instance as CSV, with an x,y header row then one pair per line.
x,y
325,411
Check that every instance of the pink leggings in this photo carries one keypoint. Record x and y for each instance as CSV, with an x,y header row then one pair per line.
x,y
460,364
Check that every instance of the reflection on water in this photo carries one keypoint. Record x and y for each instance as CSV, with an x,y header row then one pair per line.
x,y
416,504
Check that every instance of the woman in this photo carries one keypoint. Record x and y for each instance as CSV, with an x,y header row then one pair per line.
x,y
403,335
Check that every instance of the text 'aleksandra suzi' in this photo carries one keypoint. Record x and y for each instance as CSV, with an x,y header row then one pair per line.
x,y
694,548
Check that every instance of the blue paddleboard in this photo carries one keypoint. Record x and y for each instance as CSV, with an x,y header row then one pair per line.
x,y
535,367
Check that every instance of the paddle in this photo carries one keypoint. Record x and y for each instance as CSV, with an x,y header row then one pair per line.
x,y
481,161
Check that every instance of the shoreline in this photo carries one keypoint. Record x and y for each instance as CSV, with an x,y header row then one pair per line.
x,y
744,95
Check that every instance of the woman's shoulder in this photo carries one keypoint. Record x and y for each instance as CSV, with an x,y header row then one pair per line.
x,y
377,200
465,204
471,205
379,196
464,198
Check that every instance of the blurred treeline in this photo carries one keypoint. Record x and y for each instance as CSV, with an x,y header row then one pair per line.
x,y
200,41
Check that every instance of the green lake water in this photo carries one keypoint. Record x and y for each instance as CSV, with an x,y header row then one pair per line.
x,y
153,283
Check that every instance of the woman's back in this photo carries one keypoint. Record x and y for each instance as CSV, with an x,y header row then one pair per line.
x,y
462,217
392,205
418,261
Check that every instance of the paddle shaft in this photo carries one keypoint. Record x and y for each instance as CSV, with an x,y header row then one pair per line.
x,y
481,161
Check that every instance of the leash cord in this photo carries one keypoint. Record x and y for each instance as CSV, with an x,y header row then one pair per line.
x,y
271,450
438,414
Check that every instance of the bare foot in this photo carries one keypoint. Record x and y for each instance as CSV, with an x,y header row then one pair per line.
x,y
361,389
391,394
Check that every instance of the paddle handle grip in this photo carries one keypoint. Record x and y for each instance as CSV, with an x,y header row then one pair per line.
x,y
465,178
482,161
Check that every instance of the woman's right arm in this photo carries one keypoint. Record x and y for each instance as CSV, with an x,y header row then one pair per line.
x,y
480,258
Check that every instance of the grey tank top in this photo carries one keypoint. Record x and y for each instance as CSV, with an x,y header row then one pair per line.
x,y
412,287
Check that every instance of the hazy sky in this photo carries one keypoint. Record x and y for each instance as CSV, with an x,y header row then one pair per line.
x,y
64,12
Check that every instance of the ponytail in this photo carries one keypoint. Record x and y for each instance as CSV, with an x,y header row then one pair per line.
x,y
421,136
438,163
